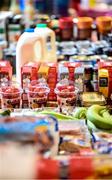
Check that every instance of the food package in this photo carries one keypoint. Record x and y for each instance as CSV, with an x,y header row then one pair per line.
x,y
74,136
90,98
41,131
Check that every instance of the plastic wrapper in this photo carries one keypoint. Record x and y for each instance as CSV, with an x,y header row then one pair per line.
x,y
102,142
74,136
87,99
41,131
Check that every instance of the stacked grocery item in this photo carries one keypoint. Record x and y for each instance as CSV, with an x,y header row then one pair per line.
x,y
67,138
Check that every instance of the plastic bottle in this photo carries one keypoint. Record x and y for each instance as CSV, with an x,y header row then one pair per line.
x,y
29,12
48,41
38,46
24,50
14,7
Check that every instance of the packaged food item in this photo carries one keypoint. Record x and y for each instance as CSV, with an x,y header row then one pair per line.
x,y
5,72
66,96
74,137
104,25
37,94
52,80
66,27
43,71
10,55
84,26
10,95
71,68
102,142
40,130
89,98
62,71
29,73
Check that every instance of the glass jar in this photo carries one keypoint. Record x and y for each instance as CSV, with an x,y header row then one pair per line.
x,y
66,27
84,28
104,25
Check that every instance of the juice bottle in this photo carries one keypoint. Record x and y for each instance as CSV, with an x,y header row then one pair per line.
x,y
48,50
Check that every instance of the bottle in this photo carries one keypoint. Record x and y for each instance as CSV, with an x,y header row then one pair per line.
x,y
29,12
14,7
35,46
49,46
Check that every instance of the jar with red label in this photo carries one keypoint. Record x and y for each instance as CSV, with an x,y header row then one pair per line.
x,y
66,28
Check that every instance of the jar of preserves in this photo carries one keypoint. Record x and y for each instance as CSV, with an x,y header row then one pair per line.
x,y
66,28
84,28
104,25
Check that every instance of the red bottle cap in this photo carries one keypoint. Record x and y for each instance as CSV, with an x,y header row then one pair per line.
x,y
65,22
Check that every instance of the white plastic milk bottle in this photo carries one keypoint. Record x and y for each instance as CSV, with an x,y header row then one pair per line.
x,y
35,46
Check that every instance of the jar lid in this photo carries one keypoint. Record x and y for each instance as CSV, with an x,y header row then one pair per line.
x,y
104,23
84,22
66,22
41,25
29,30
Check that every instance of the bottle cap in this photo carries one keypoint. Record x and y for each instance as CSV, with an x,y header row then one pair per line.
x,y
65,22
84,22
41,25
30,30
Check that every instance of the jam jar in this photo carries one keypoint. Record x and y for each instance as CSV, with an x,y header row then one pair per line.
x,y
66,28
84,28
104,26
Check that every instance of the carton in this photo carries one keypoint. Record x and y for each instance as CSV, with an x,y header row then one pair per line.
x,y
5,71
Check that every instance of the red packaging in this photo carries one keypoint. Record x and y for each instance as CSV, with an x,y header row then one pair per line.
x,y
28,74
24,100
71,68
5,71
52,80
80,167
47,169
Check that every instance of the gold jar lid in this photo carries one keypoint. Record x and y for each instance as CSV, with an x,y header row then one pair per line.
x,y
84,22
104,23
